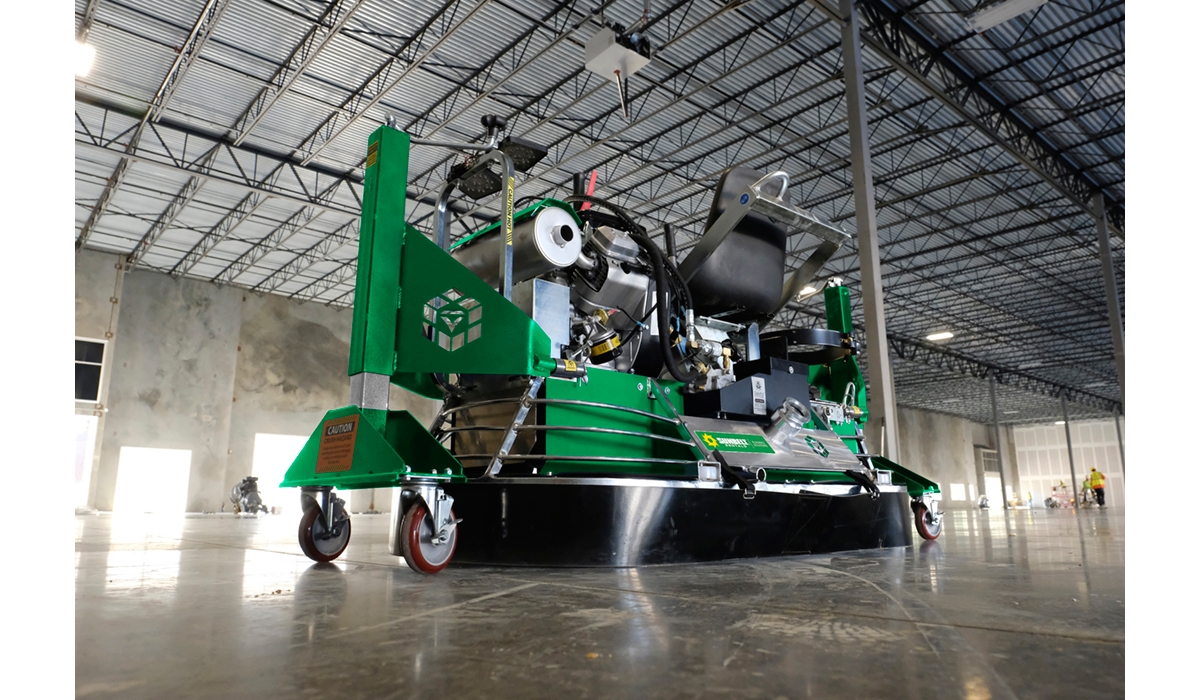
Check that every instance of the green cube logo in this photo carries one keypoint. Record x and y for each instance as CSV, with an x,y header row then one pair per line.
x,y
816,446
452,320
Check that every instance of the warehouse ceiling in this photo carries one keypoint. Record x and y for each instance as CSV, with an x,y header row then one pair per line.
x,y
224,140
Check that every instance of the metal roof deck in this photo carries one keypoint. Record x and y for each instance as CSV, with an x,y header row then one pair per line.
x,y
985,149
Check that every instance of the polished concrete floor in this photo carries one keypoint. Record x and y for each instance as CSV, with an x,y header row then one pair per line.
x,y
1025,605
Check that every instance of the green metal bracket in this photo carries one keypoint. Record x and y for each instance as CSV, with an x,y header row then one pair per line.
x,y
404,450
417,310
381,236
625,390
916,484
452,321
832,379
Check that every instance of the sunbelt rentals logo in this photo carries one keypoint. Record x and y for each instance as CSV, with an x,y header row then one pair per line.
x,y
452,320
725,441
735,442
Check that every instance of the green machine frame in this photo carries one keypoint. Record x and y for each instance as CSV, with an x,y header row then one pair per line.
x,y
420,314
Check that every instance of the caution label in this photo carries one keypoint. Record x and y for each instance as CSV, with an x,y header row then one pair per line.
x,y
336,451
736,442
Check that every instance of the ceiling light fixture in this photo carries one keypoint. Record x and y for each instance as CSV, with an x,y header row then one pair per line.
x,y
1000,13
1060,422
942,335
84,53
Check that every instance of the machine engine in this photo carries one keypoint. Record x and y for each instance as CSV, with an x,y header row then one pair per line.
x,y
604,291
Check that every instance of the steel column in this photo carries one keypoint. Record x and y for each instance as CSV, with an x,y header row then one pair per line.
x,y
1070,453
999,447
1110,290
1120,442
882,399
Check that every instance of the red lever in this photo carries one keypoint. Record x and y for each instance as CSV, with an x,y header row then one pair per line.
x,y
591,188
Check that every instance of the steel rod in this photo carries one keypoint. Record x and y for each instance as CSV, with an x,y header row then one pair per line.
x,y
580,458
1070,453
999,447
568,402
576,428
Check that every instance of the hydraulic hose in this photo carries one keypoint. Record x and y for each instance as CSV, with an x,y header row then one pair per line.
x,y
664,320
638,233
662,268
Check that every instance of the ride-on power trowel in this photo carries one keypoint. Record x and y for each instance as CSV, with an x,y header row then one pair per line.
x,y
601,405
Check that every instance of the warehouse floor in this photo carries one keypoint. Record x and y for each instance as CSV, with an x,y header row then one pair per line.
x,y
1030,604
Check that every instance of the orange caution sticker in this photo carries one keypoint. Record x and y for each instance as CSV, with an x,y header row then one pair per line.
x,y
336,452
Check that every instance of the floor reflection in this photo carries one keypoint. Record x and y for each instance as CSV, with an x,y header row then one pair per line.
x,y
193,607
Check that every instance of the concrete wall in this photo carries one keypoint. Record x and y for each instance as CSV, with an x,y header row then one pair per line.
x,y
942,447
206,369
175,355
98,281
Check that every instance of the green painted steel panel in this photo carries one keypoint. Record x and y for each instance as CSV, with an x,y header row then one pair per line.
x,y
917,485
833,378
453,322
405,449
611,387
837,309
380,243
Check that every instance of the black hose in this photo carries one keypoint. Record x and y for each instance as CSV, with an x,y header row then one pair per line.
x,y
639,234
664,320
661,268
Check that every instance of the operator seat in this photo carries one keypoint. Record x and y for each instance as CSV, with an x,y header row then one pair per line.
x,y
744,275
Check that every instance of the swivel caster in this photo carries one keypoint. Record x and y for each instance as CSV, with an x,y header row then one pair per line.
x,y
929,525
422,549
318,540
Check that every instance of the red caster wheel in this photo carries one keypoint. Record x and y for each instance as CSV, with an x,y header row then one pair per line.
x,y
928,525
422,553
315,541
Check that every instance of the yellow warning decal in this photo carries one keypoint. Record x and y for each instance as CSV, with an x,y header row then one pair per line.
x,y
372,153
570,365
508,212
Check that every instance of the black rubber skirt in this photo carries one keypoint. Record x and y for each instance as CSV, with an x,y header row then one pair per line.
x,y
631,522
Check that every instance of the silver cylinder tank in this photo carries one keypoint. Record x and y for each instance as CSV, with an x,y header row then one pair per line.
x,y
542,243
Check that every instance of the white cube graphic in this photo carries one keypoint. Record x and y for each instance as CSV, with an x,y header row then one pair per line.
x,y
452,320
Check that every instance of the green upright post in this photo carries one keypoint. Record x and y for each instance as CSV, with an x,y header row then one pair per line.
x,y
837,309
377,287
833,379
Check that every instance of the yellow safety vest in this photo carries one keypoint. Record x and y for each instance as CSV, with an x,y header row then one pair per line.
x,y
1096,480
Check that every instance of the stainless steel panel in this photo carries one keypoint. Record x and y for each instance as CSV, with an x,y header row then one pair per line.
x,y
795,454
549,304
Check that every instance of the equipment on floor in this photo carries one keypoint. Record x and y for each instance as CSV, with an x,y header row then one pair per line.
x,y
1060,496
245,497
601,406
